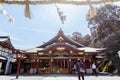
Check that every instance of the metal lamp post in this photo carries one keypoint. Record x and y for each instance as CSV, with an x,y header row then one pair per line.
x,y
18,57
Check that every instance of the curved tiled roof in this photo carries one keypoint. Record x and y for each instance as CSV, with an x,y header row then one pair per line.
x,y
33,50
60,44
89,49
60,33
73,42
5,42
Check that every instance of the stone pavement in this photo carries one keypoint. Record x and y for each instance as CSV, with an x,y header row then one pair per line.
x,y
58,77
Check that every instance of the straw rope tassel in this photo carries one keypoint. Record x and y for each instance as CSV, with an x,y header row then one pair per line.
x,y
27,11
92,11
0,7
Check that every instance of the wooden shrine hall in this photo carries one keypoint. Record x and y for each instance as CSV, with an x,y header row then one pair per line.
x,y
7,55
58,55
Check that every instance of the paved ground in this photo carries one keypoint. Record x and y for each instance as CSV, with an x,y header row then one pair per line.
x,y
59,77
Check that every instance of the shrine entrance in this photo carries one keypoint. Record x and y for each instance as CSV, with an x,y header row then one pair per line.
x,y
60,66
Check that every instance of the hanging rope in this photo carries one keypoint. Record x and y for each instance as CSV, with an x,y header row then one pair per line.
x,y
56,1
92,10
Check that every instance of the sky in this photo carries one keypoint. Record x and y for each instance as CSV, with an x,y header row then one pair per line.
x,y
44,25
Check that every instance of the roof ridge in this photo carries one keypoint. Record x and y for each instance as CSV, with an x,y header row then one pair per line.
x,y
4,37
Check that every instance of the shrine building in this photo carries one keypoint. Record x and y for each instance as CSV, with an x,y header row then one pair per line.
x,y
7,56
58,55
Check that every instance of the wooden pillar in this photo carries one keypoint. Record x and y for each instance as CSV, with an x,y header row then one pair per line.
x,y
90,62
61,63
19,58
57,62
39,68
34,64
51,65
32,69
32,61
37,65
64,63
18,68
70,68
67,64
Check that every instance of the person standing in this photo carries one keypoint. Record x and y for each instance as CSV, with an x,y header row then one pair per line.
x,y
94,69
80,69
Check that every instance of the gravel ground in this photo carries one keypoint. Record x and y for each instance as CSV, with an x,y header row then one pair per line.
x,y
57,77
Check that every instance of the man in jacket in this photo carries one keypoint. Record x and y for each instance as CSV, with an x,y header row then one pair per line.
x,y
80,69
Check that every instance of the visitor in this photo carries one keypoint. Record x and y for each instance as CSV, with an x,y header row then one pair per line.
x,y
80,69
94,69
